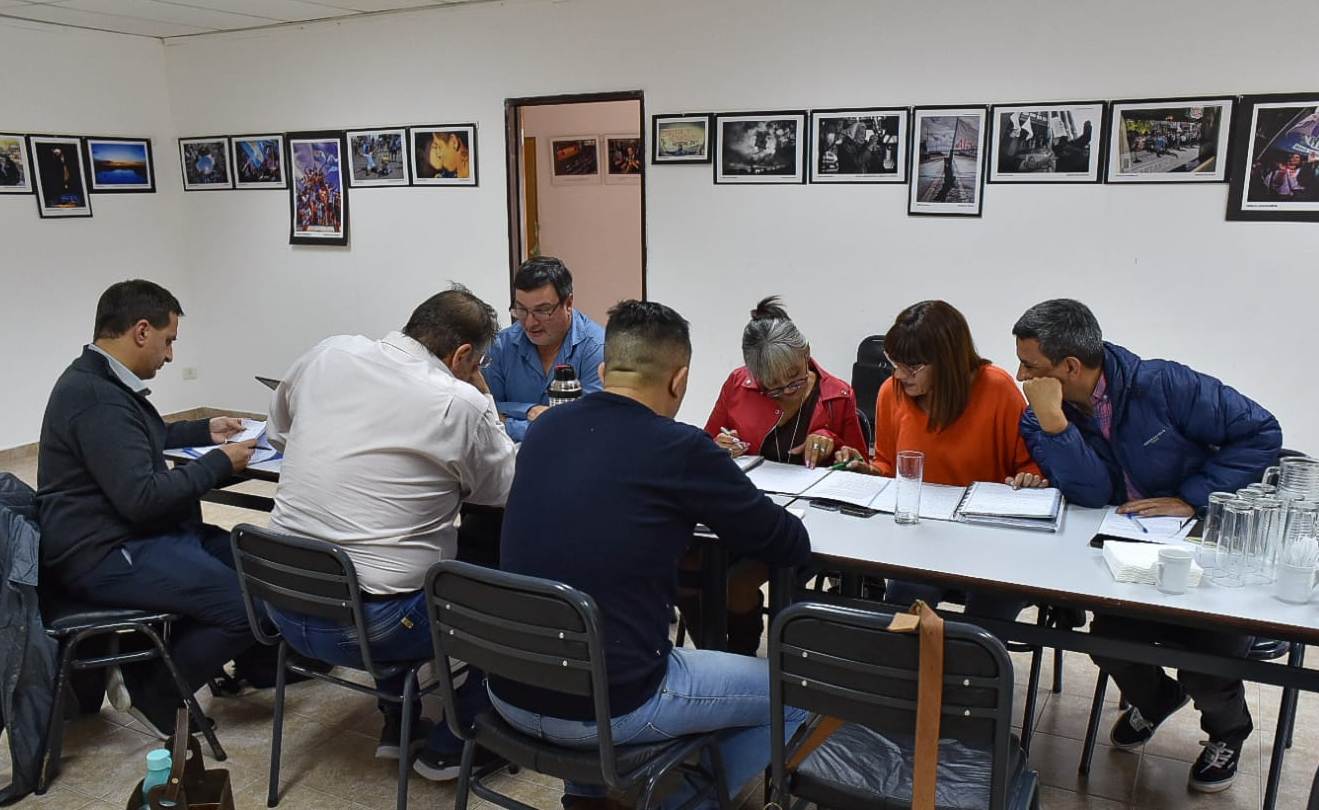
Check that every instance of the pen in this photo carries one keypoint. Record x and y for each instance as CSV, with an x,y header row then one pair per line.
x,y
1136,520
725,431
842,465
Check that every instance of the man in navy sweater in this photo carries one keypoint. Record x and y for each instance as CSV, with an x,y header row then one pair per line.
x,y
605,497
118,527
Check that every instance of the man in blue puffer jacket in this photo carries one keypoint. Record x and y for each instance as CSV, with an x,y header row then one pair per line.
x,y
1155,438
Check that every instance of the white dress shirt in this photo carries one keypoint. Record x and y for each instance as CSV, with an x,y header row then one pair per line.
x,y
382,444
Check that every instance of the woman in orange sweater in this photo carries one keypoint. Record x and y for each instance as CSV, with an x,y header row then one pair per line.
x,y
948,402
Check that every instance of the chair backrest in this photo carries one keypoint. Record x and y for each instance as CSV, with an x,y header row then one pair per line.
x,y
842,662
297,575
869,372
533,631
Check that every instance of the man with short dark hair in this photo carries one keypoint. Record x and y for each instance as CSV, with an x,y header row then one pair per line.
x,y
607,494
546,332
121,529
1155,438
383,440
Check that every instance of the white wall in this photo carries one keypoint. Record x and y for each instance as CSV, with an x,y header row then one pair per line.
x,y
71,82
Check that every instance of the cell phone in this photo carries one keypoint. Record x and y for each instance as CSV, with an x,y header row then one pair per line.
x,y
844,508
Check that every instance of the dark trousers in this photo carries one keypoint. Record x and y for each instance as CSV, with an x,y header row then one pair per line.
x,y
1221,701
978,603
189,572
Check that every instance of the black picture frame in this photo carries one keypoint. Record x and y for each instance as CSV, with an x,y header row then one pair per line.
x,y
296,144
919,208
801,147
473,157
900,158
89,142
1250,175
225,183
707,154
1098,144
260,185
1113,163
24,168
405,157
74,146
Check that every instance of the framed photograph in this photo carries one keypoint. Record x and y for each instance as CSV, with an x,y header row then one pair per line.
x,y
680,138
760,147
623,158
1170,140
60,179
574,159
948,161
377,157
15,176
120,165
206,165
317,196
1276,176
1060,142
259,161
443,155
859,146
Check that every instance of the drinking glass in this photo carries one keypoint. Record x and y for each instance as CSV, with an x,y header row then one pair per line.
x,y
1233,541
910,473
1298,478
1206,552
1262,553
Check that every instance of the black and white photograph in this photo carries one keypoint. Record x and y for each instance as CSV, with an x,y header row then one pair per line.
x,y
760,147
948,149
377,157
60,180
15,176
859,146
681,138
205,162
1277,174
258,161
1169,140
1058,142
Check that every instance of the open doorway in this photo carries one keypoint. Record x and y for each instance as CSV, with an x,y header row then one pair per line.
x,y
576,190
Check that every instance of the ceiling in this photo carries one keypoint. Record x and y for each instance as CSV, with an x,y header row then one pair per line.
x,y
176,18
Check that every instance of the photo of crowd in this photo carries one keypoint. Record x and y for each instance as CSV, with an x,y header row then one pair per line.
x,y
1174,141
1284,165
765,148
853,146
318,192
378,158
1042,144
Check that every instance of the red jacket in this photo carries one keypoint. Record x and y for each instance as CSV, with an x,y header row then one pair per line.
x,y
743,407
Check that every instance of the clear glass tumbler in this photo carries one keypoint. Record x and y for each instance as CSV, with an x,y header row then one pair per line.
x,y
1234,539
910,474
1206,552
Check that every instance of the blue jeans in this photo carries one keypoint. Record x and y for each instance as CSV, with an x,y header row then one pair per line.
x,y
703,691
397,630
978,603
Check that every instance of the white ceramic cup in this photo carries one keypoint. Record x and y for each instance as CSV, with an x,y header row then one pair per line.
x,y
1172,572
1295,583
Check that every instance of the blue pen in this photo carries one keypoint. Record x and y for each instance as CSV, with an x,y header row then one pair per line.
x,y
1136,520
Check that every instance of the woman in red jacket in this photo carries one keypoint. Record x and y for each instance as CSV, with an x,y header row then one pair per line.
x,y
783,406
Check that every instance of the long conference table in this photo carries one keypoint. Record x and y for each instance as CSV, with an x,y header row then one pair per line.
x,y
1047,568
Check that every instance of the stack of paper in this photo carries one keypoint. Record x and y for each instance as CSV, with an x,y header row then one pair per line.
x,y
252,429
1151,529
745,463
938,501
785,479
849,487
1135,562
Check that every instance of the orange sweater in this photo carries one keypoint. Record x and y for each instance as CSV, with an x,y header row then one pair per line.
x,y
983,444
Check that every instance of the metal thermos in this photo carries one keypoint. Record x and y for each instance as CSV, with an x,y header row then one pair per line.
x,y
565,386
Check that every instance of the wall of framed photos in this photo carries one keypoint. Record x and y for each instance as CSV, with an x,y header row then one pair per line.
x,y
1165,271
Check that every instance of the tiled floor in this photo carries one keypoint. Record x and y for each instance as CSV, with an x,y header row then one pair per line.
x,y
330,735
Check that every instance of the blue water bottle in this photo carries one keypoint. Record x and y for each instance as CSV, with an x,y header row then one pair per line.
x,y
159,763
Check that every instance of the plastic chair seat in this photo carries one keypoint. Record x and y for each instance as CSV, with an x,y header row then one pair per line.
x,y
857,767
63,618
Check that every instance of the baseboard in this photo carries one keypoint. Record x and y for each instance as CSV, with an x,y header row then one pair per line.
x,y
28,452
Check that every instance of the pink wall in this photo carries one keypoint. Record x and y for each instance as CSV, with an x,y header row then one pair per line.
x,y
595,228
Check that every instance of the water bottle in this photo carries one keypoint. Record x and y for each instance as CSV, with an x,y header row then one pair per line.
x,y
565,386
159,763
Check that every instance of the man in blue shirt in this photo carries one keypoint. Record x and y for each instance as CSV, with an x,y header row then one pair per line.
x,y
546,332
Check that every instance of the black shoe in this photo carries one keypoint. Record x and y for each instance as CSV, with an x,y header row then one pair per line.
x,y
444,766
1216,767
389,747
1132,730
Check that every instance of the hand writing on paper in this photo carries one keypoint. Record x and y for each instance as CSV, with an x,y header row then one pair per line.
x,y
854,459
816,448
222,427
239,453
730,441
1157,507
1026,480
1045,395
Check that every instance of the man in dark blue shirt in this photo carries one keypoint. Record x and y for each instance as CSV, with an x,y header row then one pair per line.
x,y
607,492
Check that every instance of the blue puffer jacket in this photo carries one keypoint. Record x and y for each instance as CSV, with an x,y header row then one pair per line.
x,y
1176,432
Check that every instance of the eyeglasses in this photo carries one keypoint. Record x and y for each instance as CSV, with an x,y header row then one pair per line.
x,y
485,361
789,389
909,370
540,313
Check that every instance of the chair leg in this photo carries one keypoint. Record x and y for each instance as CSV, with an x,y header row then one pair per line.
x,y
405,737
1057,671
1282,736
681,639
464,775
189,699
1299,651
277,730
1092,728
52,748
1032,690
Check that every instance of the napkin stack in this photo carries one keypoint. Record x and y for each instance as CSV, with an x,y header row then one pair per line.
x,y
1134,562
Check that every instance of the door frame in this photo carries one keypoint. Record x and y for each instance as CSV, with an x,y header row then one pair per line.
x,y
513,151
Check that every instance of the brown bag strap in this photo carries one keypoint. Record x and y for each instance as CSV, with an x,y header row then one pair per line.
x,y
929,699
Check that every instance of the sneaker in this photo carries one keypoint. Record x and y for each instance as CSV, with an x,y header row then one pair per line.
x,y
1132,730
116,690
1216,767
444,766
140,701
389,747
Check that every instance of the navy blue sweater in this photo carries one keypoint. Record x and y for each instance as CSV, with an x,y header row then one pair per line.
x,y
101,475
605,498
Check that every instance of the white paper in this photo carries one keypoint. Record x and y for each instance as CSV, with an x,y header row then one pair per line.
x,y
745,463
849,487
788,479
1001,500
252,429
1152,529
1135,562
938,501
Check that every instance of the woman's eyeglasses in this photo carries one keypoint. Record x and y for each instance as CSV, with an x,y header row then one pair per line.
x,y
789,389
909,370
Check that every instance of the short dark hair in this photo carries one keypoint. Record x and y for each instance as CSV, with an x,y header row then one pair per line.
x,y
128,302
934,333
451,318
646,338
541,270
1064,328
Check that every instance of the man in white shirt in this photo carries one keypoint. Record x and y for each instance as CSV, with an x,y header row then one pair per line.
x,y
383,441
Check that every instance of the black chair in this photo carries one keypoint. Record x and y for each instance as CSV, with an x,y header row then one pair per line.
x,y
867,420
71,624
869,372
842,662
315,578
546,634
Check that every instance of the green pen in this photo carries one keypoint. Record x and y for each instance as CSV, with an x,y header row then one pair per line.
x,y
842,465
